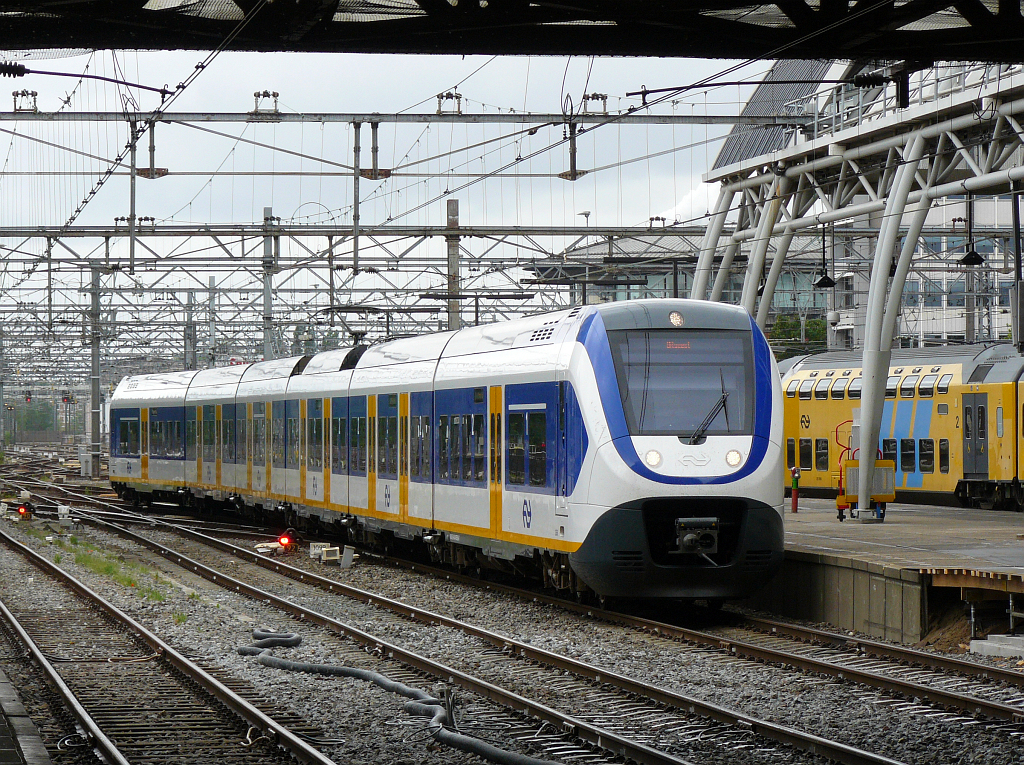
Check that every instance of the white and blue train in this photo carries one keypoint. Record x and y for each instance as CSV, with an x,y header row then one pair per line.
x,y
629,449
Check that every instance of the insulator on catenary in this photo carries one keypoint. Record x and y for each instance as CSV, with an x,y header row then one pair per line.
x,y
12,69
869,79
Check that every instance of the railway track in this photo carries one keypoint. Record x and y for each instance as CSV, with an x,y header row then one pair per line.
x,y
972,689
603,708
138,699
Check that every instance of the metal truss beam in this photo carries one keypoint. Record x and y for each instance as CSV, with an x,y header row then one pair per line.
x,y
491,118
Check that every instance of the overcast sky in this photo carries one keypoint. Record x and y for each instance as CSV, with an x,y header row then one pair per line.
x,y
625,193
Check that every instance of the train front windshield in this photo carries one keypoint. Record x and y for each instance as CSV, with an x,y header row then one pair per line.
x,y
671,381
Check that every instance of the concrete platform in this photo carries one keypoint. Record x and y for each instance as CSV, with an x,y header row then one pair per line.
x,y
20,743
880,578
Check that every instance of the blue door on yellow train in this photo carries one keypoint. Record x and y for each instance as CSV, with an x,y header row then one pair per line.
x,y
975,407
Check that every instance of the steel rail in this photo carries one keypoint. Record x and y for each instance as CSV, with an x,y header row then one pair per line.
x,y
879,649
835,751
273,730
807,634
93,732
600,737
970,704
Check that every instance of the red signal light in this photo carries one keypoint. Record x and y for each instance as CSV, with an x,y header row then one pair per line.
x,y
284,541
22,509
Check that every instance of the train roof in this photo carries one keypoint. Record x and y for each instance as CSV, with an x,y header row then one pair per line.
x,y
161,386
980,362
275,369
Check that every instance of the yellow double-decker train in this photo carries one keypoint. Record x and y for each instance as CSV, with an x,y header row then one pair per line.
x,y
952,421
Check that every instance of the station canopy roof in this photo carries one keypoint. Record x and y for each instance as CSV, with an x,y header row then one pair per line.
x,y
918,30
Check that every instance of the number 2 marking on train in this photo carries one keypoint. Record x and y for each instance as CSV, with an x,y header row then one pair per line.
x,y
527,513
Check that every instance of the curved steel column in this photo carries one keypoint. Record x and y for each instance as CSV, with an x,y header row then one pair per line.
x,y
769,215
765,304
722,277
877,353
707,249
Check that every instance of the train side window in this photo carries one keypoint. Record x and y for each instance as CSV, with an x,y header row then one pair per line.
x,y
806,454
415,445
339,444
856,384
479,448
821,454
467,447
791,388
791,452
943,455
315,442
392,445
889,449
442,447
891,383
371,446
908,385
156,438
536,426
516,448
944,382
942,409
294,445
360,444
821,388
497,448
191,432
839,388
277,434
805,388
908,455
259,434
227,436
968,422
209,434
128,438
926,455
403,445
999,422
242,440
927,387
982,424
427,447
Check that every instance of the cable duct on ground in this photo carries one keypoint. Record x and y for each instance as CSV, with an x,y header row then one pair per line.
x,y
421,704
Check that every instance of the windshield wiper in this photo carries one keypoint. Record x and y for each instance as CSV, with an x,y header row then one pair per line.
x,y
698,434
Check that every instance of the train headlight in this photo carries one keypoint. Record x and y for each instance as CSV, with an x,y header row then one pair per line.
x,y
653,458
733,458
676,318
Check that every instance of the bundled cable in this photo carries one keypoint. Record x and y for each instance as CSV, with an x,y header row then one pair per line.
x,y
420,704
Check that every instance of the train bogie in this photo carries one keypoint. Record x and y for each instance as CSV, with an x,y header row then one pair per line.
x,y
600,448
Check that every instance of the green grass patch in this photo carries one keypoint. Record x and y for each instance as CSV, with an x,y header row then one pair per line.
x,y
180,618
124,573
151,593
